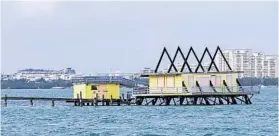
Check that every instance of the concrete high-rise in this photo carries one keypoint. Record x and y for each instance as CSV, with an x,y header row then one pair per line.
x,y
254,64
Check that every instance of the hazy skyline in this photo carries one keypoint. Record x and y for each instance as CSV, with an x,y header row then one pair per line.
x,y
127,36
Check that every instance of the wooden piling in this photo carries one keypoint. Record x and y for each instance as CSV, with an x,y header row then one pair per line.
x,y
5,101
80,99
118,102
111,100
103,100
52,102
96,100
31,102
123,98
77,102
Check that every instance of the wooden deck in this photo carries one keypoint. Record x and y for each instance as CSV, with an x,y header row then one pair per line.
x,y
195,94
77,102
202,98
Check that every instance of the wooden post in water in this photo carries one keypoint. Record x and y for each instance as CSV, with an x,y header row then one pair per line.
x,y
93,99
80,99
111,100
31,102
103,99
5,101
120,100
77,101
52,102
128,99
96,100
123,97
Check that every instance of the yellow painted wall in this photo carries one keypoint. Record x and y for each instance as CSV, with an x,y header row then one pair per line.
x,y
154,88
114,90
221,88
153,82
178,81
87,93
79,88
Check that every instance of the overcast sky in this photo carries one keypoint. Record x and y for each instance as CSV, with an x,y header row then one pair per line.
x,y
127,36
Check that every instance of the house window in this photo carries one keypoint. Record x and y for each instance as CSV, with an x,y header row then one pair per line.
x,y
93,87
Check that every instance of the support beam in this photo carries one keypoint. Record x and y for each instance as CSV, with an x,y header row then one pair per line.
x,y
186,59
158,64
195,100
184,87
198,85
168,99
174,101
181,99
200,61
225,84
206,101
246,99
212,86
139,101
233,100
228,100
154,101
151,101
224,58
240,99
220,101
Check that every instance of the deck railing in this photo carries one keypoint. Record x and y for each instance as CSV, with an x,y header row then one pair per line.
x,y
199,90
108,79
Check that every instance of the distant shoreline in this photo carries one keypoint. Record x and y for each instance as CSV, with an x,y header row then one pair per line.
x,y
43,84
40,84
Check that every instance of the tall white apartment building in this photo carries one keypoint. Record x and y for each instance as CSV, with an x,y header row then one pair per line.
x,y
238,60
254,64
257,61
270,66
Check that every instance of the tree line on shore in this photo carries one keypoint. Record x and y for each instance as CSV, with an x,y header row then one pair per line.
x,y
252,81
43,84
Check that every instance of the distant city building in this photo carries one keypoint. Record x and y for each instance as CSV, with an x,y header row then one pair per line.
x,y
237,58
5,76
253,64
270,66
34,74
147,70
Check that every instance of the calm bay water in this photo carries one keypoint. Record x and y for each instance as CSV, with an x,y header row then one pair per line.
x,y
20,119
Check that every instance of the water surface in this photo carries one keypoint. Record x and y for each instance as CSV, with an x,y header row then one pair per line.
x,y
20,119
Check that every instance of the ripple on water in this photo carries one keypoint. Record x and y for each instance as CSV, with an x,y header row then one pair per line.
x,y
260,118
